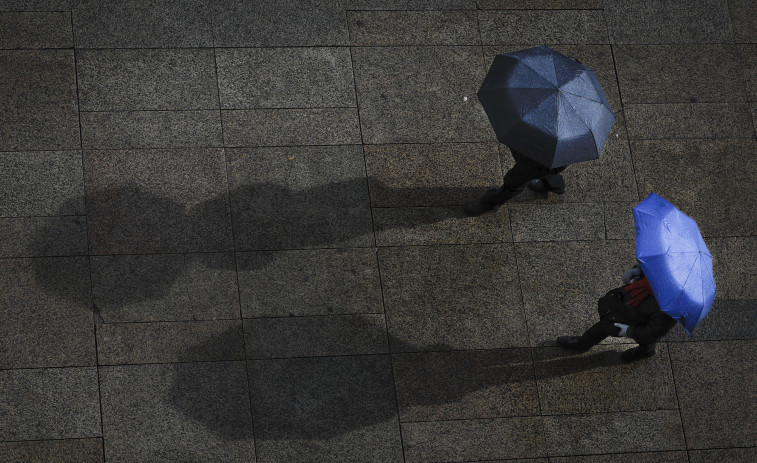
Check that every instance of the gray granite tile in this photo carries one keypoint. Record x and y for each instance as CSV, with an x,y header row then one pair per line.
x,y
452,297
599,381
49,29
734,261
47,321
41,183
300,197
278,23
435,386
743,14
169,287
151,129
754,117
641,431
619,223
148,201
542,26
662,21
61,451
430,175
381,28
557,222
539,4
184,411
706,179
50,403
562,281
728,319
309,282
410,4
325,409
686,120
162,342
748,54
123,80
43,236
38,104
420,94
291,127
740,455
35,5
472,440
700,73
139,24
316,336
646,457
285,77
407,226
716,393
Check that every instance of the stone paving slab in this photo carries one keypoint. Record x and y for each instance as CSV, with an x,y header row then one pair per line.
x,y
557,222
728,319
35,30
43,236
742,455
410,4
619,220
35,5
644,457
63,451
539,4
748,55
542,26
743,14
688,120
734,281
386,28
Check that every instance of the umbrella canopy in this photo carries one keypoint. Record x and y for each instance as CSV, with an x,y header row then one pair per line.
x,y
547,106
675,260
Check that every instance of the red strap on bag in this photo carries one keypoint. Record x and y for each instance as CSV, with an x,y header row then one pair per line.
x,y
638,291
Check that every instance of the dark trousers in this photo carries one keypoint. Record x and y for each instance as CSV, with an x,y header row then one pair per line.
x,y
598,333
516,179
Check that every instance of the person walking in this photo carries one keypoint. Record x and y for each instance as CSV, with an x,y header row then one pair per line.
x,y
629,311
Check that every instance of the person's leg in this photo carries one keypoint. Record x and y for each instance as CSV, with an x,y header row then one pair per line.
x,y
641,352
514,182
586,341
552,182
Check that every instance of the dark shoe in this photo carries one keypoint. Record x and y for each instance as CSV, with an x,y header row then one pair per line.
x,y
541,186
572,343
478,207
634,354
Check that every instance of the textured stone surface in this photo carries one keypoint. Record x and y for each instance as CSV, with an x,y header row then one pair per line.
x,y
734,260
150,129
410,4
38,104
451,297
646,457
744,20
35,30
534,26
704,120
619,223
168,287
748,55
382,28
727,319
742,455
302,282
47,321
715,384
185,411
43,236
420,94
539,4
465,385
63,451
300,197
35,5
325,409
51,403
140,79
557,222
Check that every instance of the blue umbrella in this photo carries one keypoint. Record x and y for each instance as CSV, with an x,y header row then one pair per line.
x,y
675,260
547,106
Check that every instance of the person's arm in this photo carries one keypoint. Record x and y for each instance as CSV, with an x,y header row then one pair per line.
x,y
632,275
659,325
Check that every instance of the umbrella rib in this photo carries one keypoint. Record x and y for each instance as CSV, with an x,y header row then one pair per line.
x,y
691,270
584,97
538,75
594,139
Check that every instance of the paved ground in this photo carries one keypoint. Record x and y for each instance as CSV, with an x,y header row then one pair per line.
x,y
230,231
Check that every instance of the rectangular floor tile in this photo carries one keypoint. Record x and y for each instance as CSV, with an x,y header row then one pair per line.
x,y
49,29
706,179
43,236
285,77
41,183
303,282
411,4
407,226
728,319
645,457
660,21
742,455
277,23
165,287
473,440
291,127
184,411
542,26
465,385
619,223
381,28
47,319
452,297
299,197
557,222
716,393
316,336
158,79
430,175
32,119
136,24
35,5
151,129
734,261
50,403
539,4
325,409
148,201
614,432
599,381
420,94
748,54
61,451
743,18
686,120
562,281
162,342
700,73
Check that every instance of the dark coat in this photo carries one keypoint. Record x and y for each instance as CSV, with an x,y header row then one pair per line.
x,y
648,324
